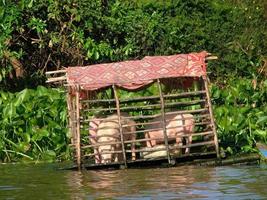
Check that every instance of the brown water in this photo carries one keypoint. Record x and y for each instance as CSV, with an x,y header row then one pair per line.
x,y
188,182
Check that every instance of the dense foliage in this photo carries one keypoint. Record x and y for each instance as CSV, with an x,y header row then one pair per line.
x,y
33,125
42,35
240,110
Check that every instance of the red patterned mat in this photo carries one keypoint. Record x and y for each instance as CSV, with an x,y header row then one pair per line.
x,y
137,73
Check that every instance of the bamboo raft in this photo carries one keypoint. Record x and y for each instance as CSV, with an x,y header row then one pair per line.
x,y
88,95
191,160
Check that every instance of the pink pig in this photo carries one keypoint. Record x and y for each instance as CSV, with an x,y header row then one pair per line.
x,y
107,130
176,125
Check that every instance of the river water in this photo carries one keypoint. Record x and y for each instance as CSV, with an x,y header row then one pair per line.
x,y
47,181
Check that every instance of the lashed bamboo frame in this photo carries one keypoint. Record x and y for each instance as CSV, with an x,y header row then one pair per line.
x,y
75,120
186,94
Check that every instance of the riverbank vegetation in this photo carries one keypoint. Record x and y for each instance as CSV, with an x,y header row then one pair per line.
x,y
38,36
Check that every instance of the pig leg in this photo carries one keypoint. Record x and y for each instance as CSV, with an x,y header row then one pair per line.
x,y
133,148
96,152
179,143
150,143
133,137
115,157
189,138
188,142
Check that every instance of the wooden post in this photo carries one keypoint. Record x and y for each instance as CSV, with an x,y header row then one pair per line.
x,y
71,115
78,135
164,122
120,125
211,115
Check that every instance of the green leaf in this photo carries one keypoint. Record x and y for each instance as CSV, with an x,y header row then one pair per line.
x,y
22,96
262,120
10,110
229,150
40,134
30,4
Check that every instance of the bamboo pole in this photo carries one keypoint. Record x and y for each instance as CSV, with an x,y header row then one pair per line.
x,y
155,129
99,101
168,113
144,140
164,121
56,79
78,135
148,116
183,94
167,121
162,149
120,125
55,72
71,116
159,129
180,147
240,160
211,58
180,156
149,107
211,115
195,144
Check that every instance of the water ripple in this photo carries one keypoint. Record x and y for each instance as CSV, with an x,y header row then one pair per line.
x,y
188,182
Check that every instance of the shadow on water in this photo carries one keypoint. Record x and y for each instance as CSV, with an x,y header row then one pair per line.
x,y
187,182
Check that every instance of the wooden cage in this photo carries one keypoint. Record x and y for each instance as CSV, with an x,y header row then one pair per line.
x,y
162,117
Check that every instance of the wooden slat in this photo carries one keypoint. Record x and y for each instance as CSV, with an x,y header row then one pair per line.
x,y
172,147
56,79
196,144
184,94
162,103
103,153
171,120
55,72
98,101
145,123
168,113
78,135
144,140
211,58
211,115
147,107
178,136
127,100
120,126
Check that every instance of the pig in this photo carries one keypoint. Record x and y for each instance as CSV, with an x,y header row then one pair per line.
x,y
176,125
108,131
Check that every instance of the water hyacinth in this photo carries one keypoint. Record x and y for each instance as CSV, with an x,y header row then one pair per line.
x,y
33,125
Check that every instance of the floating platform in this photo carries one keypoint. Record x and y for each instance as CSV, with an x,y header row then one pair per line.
x,y
209,159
